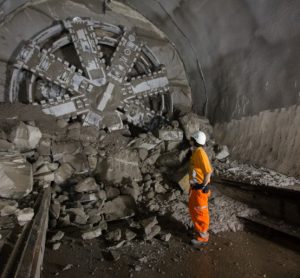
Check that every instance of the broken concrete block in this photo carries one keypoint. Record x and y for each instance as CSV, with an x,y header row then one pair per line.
x,y
146,141
77,212
133,190
112,121
25,215
57,237
93,233
88,197
192,123
15,175
87,185
25,137
148,224
46,168
159,188
62,198
111,192
90,150
59,149
74,134
79,162
44,147
114,235
8,207
62,123
172,145
172,159
120,207
129,235
56,246
155,230
94,219
80,220
6,146
166,237
143,153
222,153
118,166
152,158
89,134
64,172
102,195
92,161
170,135
55,210
65,220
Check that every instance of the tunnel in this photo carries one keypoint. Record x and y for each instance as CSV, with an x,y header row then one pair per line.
x,y
101,103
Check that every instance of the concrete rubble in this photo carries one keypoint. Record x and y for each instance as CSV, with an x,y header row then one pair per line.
x,y
25,137
15,175
25,215
101,178
233,169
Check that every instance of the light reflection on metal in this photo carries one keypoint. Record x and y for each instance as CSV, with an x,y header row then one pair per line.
x,y
118,77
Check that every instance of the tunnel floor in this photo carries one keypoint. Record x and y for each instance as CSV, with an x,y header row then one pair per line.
x,y
240,254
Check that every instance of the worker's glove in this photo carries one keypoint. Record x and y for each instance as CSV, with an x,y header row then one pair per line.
x,y
205,189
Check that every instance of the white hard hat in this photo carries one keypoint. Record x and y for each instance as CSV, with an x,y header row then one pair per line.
x,y
200,137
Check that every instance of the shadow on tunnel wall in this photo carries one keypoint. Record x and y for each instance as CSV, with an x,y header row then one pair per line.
x,y
249,53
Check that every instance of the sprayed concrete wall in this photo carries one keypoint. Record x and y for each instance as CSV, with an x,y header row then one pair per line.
x,y
271,138
249,54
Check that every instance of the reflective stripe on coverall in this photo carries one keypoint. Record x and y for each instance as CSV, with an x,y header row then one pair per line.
x,y
198,207
198,201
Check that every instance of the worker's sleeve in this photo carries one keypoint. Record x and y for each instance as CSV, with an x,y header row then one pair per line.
x,y
204,162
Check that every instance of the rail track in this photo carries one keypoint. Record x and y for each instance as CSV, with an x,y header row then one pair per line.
x,y
275,204
25,258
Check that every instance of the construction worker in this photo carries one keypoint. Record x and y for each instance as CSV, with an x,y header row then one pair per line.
x,y
199,177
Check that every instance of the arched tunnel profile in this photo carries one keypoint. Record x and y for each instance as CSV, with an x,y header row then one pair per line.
x,y
149,138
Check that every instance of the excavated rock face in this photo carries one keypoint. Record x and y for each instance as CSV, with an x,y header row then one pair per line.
x,y
25,137
15,175
119,166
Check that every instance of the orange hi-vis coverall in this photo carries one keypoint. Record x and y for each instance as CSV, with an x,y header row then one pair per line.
x,y
198,201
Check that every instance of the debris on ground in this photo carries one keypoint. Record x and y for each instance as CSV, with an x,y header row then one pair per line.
x,y
99,178
256,175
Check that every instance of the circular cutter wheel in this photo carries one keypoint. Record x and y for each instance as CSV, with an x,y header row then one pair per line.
x,y
98,71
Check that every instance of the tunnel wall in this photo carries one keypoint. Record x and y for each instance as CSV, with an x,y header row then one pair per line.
x,y
249,53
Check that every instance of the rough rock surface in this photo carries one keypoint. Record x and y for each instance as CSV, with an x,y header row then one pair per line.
x,y
120,207
25,137
15,175
118,166
192,123
254,175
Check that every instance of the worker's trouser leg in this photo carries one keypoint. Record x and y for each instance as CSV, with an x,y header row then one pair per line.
x,y
198,207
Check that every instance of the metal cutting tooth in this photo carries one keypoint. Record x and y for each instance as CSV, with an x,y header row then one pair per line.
x,y
82,85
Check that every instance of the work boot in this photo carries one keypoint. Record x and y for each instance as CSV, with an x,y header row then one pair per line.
x,y
198,243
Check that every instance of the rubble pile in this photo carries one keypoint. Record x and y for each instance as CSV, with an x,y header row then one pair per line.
x,y
233,169
224,213
99,178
